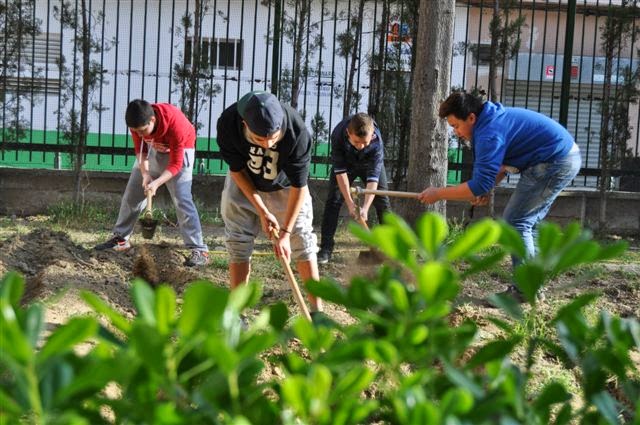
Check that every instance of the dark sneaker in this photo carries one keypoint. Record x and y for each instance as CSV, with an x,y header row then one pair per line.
x,y
117,243
324,256
197,258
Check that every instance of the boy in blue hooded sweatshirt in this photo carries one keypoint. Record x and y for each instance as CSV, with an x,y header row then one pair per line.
x,y
504,141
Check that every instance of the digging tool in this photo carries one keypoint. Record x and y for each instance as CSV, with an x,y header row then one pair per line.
x,y
371,256
357,191
292,280
147,222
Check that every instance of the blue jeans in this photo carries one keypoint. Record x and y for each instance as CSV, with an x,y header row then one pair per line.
x,y
536,190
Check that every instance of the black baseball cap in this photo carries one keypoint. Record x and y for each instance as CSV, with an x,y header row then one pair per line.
x,y
262,112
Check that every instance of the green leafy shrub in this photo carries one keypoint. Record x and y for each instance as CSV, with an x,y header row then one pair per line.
x,y
404,361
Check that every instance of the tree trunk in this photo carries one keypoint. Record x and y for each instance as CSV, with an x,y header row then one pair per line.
x,y
493,81
84,102
605,132
428,145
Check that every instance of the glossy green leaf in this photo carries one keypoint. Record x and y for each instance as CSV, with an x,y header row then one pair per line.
x,y
480,264
418,335
202,307
244,296
9,406
12,338
278,316
432,230
12,288
552,393
328,290
579,253
99,306
460,379
511,240
398,295
457,401
404,231
144,299
33,323
381,352
607,406
64,338
477,237
353,383
149,346
613,250
436,282
494,350
165,308
529,278
549,236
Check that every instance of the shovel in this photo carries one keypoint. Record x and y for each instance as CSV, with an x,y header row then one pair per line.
x,y
293,284
372,256
147,222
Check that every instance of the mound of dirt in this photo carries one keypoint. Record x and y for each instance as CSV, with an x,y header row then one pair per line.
x,y
51,263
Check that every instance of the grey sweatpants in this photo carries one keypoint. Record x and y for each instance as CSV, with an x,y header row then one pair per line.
x,y
242,224
134,200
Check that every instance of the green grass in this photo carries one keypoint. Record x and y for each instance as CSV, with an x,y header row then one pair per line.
x,y
88,215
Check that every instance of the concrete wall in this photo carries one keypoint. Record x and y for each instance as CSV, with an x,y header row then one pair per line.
x,y
28,192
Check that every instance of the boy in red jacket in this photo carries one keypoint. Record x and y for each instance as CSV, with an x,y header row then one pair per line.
x,y
164,144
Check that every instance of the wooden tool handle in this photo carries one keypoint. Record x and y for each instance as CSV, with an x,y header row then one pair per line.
x,y
149,202
291,279
393,193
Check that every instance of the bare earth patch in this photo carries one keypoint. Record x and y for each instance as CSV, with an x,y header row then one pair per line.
x,y
58,264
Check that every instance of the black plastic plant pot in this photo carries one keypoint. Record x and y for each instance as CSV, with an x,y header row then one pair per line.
x,y
148,227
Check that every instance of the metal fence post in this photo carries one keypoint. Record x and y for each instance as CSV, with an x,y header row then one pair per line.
x,y
275,60
566,63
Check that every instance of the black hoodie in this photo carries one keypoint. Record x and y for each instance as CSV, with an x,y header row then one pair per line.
x,y
285,164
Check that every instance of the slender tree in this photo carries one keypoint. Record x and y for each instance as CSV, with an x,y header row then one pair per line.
x,y
193,71
615,127
431,84
391,72
18,27
348,48
80,77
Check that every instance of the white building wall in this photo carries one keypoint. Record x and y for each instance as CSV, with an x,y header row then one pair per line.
x,y
138,64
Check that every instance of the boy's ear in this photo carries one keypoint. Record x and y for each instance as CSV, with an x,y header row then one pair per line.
x,y
472,118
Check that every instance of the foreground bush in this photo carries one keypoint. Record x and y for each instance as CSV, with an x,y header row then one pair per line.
x,y
402,362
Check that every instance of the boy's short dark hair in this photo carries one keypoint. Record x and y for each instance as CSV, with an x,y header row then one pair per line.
x,y
461,104
139,113
361,124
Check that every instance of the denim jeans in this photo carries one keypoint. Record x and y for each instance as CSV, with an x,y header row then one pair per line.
x,y
536,190
334,203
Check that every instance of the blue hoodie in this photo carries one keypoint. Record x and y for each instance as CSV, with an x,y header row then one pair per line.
x,y
516,137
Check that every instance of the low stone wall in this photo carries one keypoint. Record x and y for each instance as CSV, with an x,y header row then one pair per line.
x,y
29,192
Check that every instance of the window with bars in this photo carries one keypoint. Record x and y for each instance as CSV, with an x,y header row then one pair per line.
x,y
25,73
216,53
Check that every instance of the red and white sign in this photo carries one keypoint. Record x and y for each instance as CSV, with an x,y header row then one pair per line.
x,y
549,72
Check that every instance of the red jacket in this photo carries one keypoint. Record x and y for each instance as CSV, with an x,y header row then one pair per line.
x,y
173,134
